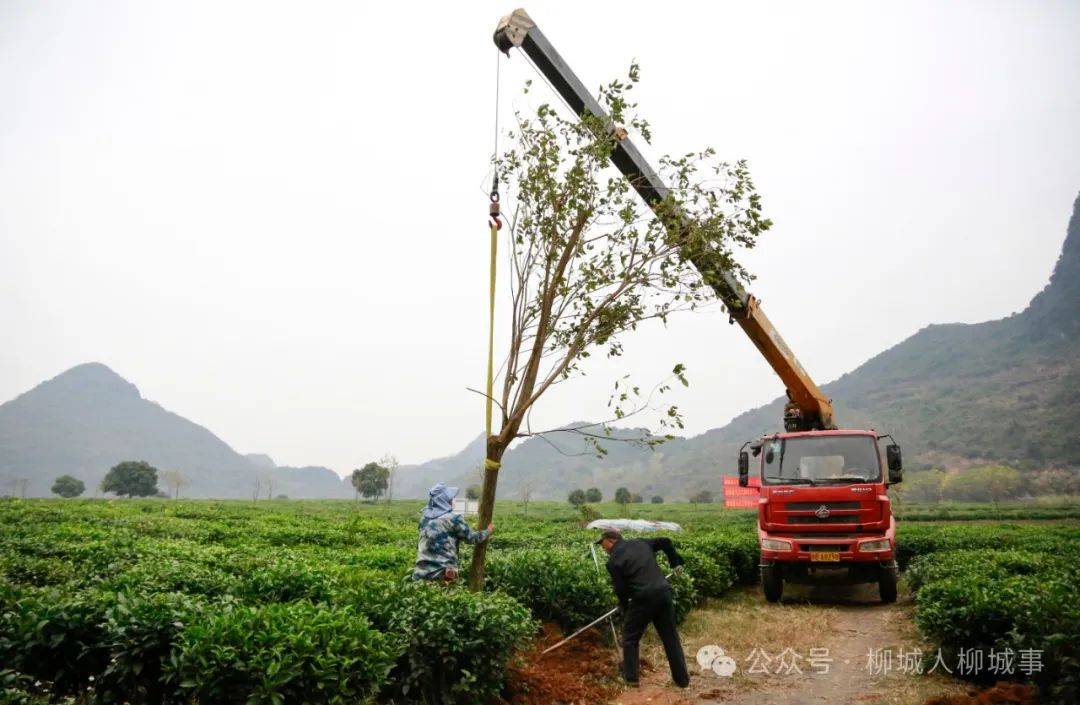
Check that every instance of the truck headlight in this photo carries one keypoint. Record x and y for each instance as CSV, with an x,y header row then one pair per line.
x,y
875,545
775,545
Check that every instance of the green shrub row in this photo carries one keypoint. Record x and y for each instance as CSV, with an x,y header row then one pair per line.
x,y
735,548
295,652
407,640
557,585
989,599
915,539
565,587
120,591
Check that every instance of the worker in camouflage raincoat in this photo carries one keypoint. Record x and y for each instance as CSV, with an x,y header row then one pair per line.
x,y
440,531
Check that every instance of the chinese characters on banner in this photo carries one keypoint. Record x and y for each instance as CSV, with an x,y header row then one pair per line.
x,y
736,497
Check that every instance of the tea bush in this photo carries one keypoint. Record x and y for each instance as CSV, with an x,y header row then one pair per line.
x,y
458,643
557,585
171,575
685,594
281,653
139,633
19,689
915,539
36,571
55,637
285,581
985,599
991,564
711,578
737,549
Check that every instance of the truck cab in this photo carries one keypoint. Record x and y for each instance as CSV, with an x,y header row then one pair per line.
x,y
823,513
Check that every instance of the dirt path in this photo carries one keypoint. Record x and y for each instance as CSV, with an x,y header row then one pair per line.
x,y
821,627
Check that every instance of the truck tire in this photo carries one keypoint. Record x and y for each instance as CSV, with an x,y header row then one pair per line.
x,y
772,583
887,584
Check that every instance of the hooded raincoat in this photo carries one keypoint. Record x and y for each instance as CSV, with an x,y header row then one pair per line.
x,y
440,531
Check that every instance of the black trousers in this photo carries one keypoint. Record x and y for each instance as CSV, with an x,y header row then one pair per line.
x,y
654,606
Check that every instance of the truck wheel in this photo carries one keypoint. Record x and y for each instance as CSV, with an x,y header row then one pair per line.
x,y
887,585
772,583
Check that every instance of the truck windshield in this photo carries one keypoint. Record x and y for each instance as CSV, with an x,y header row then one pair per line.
x,y
818,460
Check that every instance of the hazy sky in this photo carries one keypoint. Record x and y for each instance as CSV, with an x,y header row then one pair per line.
x,y
270,217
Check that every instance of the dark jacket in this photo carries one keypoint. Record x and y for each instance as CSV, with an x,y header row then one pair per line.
x,y
633,568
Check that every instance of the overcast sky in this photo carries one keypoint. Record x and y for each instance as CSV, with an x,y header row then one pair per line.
x,y
270,216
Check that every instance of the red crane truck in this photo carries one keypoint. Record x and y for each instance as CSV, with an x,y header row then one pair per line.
x,y
823,512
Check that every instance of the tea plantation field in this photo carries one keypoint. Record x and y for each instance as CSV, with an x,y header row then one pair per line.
x,y
149,601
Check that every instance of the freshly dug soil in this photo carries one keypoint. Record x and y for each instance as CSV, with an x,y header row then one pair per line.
x,y
582,671
1002,693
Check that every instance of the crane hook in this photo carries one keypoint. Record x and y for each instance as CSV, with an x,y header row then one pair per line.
x,y
494,215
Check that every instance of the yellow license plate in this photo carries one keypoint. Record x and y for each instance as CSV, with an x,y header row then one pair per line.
x,y
825,556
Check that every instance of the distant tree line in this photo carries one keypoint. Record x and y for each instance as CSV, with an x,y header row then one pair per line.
x,y
593,495
623,496
130,478
988,483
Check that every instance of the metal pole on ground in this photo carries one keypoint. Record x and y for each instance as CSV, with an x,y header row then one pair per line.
x,y
590,625
611,620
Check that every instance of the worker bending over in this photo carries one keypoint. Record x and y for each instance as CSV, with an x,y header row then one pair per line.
x,y
440,531
644,596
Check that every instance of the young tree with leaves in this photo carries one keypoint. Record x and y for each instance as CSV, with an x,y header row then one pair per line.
x,y
371,480
131,478
68,486
589,262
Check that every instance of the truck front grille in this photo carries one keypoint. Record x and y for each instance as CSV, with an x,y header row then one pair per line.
x,y
852,519
812,506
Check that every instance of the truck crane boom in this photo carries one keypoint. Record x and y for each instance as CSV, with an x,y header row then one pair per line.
x,y
808,408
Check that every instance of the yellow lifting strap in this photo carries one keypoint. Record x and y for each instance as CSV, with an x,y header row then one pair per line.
x,y
494,225
490,390
495,222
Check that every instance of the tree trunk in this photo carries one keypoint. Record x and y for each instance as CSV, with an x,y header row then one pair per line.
x,y
495,452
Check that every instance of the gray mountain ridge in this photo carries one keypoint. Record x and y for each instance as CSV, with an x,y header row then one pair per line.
x,y
88,419
993,391
951,394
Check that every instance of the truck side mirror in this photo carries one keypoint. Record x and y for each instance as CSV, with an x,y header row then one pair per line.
x,y
744,469
896,465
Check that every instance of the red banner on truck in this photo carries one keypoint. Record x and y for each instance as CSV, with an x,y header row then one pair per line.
x,y
736,497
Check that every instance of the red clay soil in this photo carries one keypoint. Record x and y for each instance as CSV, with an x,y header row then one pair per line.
x,y
1001,694
581,671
